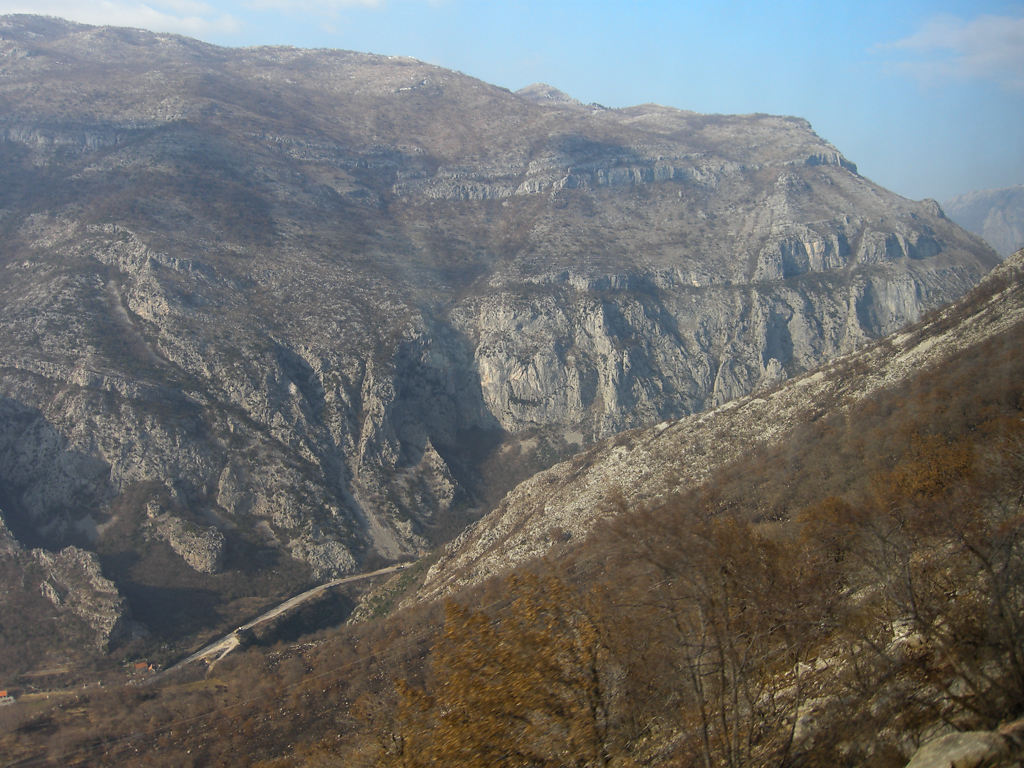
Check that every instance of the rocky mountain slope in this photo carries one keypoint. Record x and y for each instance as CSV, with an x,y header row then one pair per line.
x,y
995,214
276,311
565,502
847,593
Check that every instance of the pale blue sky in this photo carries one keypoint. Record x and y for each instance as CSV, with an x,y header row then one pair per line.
x,y
926,97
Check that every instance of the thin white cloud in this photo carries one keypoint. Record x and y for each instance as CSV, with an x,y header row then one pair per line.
x,y
311,6
186,17
320,6
987,47
188,7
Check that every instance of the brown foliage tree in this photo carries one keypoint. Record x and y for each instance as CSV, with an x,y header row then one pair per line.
x,y
934,556
531,685
731,616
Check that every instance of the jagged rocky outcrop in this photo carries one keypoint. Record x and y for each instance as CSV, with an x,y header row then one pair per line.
x,y
66,590
302,300
72,581
201,548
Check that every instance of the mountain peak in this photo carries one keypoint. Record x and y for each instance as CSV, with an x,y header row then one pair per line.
x,y
26,26
542,93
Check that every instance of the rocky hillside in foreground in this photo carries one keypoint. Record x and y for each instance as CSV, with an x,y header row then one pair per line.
x,y
643,466
997,215
269,314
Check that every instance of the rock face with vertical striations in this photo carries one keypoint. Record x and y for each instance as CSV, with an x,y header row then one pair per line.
x,y
568,500
323,305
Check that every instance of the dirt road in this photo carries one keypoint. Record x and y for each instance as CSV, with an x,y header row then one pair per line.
x,y
221,648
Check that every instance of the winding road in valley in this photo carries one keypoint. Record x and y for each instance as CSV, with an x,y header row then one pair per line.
x,y
218,649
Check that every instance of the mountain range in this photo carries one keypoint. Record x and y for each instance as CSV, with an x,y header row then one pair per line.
x,y
270,315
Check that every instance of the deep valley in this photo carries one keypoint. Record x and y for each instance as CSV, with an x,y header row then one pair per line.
x,y
701,447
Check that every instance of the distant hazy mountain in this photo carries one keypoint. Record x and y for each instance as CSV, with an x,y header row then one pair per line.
x,y
995,214
268,315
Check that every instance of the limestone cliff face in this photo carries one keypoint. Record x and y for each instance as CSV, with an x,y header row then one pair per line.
x,y
601,362
298,302
569,499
